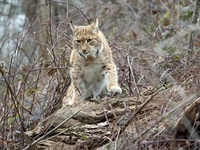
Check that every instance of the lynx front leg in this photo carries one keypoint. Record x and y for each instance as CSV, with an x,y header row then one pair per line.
x,y
113,86
82,91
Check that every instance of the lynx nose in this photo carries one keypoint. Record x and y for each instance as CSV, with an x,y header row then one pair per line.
x,y
84,51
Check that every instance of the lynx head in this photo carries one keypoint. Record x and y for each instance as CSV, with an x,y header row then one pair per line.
x,y
86,40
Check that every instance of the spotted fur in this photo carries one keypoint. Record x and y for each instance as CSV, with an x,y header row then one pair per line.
x,y
92,68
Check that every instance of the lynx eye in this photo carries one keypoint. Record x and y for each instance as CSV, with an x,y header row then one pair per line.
x,y
78,41
89,40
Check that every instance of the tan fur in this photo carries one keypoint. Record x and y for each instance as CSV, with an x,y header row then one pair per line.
x,y
92,68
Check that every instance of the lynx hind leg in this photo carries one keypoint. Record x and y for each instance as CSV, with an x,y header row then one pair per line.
x,y
69,98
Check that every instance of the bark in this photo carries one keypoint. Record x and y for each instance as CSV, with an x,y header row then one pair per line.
x,y
87,125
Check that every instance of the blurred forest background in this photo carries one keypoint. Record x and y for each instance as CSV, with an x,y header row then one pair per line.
x,y
155,43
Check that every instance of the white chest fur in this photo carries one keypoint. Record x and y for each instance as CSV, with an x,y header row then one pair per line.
x,y
93,74
95,78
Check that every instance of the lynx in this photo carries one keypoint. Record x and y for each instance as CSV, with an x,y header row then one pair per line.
x,y
92,71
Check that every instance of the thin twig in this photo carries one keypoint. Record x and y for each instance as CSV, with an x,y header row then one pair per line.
x,y
116,141
88,20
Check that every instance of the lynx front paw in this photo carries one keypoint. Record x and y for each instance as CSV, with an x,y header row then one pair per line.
x,y
96,97
115,90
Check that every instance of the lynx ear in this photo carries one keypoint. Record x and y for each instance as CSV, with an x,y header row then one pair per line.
x,y
96,25
73,27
